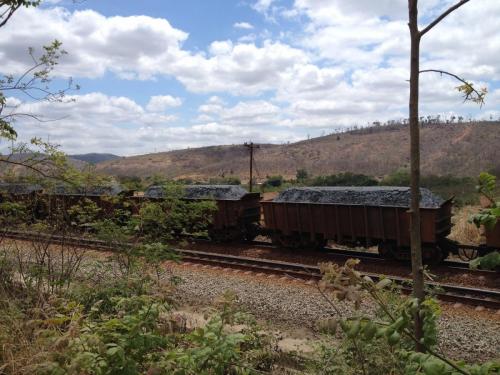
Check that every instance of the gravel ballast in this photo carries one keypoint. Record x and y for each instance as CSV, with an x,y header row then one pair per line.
x,y
355,195
469,335
217,192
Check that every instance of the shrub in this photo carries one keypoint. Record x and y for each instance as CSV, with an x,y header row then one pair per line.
x,y
302,175
447,186
344,179
383,344
274,181
230,180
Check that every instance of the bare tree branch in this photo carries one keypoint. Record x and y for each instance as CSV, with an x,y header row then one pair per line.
x,y
35,169
10,12
442,16
30,115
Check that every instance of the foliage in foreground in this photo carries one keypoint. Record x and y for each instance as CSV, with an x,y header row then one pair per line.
x,y
487,217
490,215
383,344
107,321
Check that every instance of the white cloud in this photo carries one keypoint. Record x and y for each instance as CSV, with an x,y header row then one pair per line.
x,y
247,114
243,25
262,6
161,102
345,63
96,122
142,47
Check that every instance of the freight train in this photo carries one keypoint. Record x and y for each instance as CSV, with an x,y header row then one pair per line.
x,y
309,217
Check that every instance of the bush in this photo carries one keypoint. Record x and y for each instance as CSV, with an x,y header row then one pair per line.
x,y
274,181
385,343
113,323
302,175
131,182
344,179
447,186
231,180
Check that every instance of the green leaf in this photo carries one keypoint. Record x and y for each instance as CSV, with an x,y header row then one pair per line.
x,y
394,338
354,329
383,284
369,330
433,367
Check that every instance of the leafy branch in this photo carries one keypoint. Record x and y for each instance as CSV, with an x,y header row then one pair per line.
x,y
489,216
35,84
45,159
467,88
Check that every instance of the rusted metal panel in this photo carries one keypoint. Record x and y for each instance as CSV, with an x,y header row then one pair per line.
x,y
367,224
286,217
397,220
493,236
234,213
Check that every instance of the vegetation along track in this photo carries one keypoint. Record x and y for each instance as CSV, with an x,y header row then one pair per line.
x,y
452,293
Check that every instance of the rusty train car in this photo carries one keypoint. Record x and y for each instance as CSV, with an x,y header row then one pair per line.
x,y
238,211
358,216
309,217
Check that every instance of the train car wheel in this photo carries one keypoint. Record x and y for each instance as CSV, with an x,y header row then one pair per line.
x,y
276,239
317,243
251,231
386,250
433,255
224,234
467,254
291,241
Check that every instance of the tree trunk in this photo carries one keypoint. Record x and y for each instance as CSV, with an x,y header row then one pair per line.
x,y
416,247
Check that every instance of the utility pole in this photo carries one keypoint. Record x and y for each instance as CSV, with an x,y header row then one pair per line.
x,y
251,146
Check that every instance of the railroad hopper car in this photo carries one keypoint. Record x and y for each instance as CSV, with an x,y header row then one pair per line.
x,y
358,216
30,195
19,191
238,211
62,197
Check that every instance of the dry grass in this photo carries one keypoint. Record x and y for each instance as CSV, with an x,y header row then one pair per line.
x,y
458,149
463,231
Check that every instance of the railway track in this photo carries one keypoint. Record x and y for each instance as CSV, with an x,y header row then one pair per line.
x,y
446,292
373,257
487,298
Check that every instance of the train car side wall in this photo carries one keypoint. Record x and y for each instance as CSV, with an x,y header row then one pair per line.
x,y
493,236
366,225
233,213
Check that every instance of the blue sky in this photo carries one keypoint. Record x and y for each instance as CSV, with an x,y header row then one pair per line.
x,y
162,75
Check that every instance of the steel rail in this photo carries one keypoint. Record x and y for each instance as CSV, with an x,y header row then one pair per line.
x,y
371,256
472,296
447,292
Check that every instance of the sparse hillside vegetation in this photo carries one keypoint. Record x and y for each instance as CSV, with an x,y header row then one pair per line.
x,y
458,149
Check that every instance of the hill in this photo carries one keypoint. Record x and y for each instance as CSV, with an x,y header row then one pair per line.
x,y
94,158
459,149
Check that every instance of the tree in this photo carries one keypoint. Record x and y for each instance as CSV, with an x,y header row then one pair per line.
x,y
302,174
34,83
274,181
470,93
43,158
9,7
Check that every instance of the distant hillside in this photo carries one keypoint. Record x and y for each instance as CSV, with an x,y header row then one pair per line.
x,y
94,158
458,149
22,157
